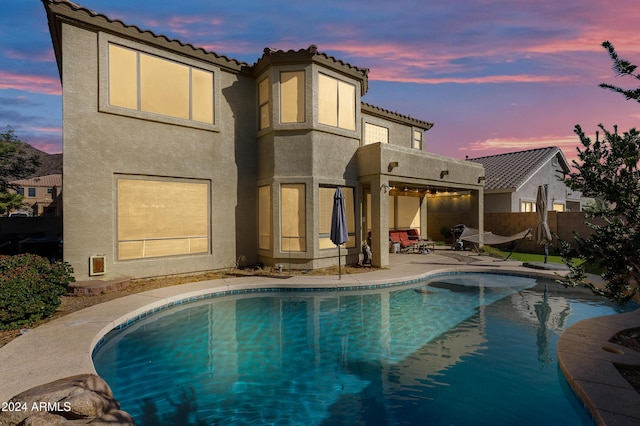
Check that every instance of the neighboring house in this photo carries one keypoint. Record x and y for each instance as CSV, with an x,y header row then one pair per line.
x,y
43,194
179,160
512,181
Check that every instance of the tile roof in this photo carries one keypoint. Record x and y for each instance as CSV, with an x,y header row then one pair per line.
x,y
511,170
99,17
312,49
68,7
48,181
376,110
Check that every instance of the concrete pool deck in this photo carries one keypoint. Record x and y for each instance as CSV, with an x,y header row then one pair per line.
x,y
63,347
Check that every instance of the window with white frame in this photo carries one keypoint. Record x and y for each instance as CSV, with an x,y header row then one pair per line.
x,y
527,206
417,139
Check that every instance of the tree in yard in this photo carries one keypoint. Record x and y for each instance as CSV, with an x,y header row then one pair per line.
x,y
10,202
608,171
15,163
622,68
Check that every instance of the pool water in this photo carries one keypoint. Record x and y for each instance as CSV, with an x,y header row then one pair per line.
x,y
457,349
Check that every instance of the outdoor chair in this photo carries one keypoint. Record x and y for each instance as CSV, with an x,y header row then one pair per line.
x,y
421,243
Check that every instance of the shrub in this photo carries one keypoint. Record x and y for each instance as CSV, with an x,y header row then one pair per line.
x,y
30,288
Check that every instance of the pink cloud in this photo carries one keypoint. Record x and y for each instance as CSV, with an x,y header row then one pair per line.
x,y
404,63
30,83
41,56
188,28
393,75
516,144
56,130
48,147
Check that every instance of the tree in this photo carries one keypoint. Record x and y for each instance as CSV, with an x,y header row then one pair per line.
x,y
15,163
10,202
622,68
609,172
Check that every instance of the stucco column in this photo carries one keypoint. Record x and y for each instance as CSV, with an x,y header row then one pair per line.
x,y
423,217
379,222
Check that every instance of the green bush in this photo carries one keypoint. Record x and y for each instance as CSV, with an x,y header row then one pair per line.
x,y
30,288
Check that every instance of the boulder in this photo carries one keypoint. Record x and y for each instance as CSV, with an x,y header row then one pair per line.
x,y
82,399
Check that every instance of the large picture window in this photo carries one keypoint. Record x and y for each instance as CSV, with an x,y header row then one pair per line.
x,y
336,103
325,211
149,83
150,225
293,217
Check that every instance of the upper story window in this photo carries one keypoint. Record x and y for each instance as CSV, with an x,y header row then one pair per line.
x,y
263,104
417,139
292,97
374,134
31,192
148,83
336,103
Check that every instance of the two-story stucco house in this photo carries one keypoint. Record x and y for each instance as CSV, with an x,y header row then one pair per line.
x,y
42,194
179,160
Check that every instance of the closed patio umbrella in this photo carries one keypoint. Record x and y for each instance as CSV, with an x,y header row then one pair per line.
x,y
543,234
339,233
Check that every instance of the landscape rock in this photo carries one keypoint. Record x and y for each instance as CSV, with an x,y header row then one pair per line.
x,y
82,399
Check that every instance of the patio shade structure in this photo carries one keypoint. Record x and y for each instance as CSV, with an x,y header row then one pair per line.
x,y
339,232
543,234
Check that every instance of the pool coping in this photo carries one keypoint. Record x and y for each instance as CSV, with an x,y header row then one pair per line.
x,y
64,347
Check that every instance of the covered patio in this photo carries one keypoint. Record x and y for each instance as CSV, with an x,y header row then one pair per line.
x,y
396,184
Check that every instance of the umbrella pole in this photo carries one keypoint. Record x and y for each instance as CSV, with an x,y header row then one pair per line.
x,y
339,273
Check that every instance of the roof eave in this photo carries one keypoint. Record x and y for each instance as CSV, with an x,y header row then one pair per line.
x,y
393,116
59,11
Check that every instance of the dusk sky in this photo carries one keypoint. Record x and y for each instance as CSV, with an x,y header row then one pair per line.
x,y
493,76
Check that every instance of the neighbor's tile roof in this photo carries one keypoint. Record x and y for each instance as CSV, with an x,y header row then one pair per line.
x,y
48,181
513,169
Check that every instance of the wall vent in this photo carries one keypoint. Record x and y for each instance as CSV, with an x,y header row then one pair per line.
x,y
97,265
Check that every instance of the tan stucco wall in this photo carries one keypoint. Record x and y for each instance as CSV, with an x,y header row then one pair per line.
x,y
98,145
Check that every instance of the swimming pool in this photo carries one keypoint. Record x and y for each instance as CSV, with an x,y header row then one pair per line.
x,y
455,349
